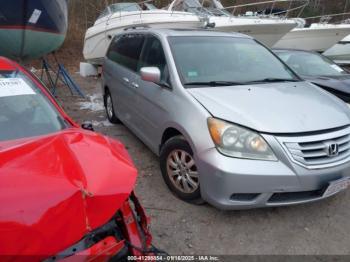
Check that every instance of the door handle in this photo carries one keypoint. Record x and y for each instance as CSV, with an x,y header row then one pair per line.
x,y
134,85
126,80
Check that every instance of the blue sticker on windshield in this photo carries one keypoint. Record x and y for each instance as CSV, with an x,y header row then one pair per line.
x,y
192,74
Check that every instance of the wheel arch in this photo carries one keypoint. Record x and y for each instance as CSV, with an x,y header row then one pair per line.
x,y
105,89
172,131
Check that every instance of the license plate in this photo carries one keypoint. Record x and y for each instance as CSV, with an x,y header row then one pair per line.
x,y
337,186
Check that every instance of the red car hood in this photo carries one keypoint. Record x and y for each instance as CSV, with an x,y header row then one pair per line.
x,y
57,188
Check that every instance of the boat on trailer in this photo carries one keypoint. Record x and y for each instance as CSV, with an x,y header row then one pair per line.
x,y
268,30
340,53
30,29
316,37
117,17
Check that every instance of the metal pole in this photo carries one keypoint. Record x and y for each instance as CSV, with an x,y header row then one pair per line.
x,y
345,8
303,8
289,9
272,7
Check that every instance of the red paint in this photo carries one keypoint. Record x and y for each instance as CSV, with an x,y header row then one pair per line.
x,y
140,239
56,183
101,252
6,64
55,189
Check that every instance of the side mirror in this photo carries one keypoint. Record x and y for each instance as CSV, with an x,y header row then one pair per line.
x,y
150,74
87,125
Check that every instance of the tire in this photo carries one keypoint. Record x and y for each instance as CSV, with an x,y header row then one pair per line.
x,y
108,103
180,173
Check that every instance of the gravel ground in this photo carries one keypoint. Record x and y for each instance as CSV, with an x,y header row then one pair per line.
x,y
180,228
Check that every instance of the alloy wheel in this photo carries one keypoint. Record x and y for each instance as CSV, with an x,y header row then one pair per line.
x,y
109,106
182,171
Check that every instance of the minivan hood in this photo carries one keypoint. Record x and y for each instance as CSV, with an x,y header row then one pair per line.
x,y
285,107
57,188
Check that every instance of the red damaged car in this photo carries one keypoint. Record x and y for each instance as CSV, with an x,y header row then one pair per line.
x,y
65,192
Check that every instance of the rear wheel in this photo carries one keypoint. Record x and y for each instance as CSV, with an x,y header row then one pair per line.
x,y
179,170
110,108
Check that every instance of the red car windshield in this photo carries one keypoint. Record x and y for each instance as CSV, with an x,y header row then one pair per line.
x,y
25,111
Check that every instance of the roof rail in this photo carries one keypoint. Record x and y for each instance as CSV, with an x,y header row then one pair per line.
x,y
133,27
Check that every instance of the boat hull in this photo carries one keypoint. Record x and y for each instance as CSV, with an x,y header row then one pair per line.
x,y
36,44
266,31
340,52
318,38
30,29
98,37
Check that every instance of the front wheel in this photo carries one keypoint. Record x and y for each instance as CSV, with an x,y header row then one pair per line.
x,y
179,170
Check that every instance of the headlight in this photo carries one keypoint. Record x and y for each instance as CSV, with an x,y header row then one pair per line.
x,y
236,141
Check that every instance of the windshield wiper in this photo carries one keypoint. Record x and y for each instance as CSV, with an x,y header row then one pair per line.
x,y
214,83
274,80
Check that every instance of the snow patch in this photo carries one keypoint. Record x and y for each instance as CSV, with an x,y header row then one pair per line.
x,y
95,103
105,123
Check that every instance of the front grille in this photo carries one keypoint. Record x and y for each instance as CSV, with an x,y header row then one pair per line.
x,y
296,196
319,150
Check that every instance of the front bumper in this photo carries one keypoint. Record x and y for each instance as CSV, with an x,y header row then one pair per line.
x,y
126,234
232,183
106,250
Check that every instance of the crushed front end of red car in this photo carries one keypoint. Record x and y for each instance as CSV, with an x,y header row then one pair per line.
x,y
65,193
69,195
126,234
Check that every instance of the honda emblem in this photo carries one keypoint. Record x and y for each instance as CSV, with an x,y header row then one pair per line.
x,y
333,149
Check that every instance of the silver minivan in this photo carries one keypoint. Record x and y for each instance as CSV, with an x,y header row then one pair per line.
x,y
232,124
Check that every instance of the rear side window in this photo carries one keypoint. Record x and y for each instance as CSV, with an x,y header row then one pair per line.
x,y
126,50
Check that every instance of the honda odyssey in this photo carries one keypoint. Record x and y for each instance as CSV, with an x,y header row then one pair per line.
x,y
231,123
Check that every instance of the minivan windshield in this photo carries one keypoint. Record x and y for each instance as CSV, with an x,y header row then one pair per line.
x,y
213,61
24,110
310,64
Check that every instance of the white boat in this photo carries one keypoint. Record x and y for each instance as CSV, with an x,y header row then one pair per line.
x,y
119,16
267,30
340,52
318,37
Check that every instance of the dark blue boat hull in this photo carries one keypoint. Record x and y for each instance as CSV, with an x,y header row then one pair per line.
x,y
32,28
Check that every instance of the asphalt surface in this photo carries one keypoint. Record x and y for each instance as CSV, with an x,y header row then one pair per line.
x,y
320,228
